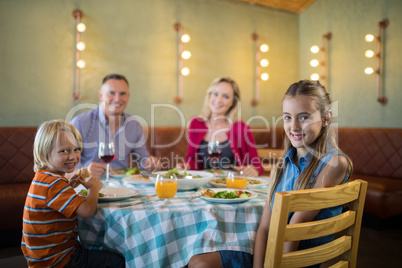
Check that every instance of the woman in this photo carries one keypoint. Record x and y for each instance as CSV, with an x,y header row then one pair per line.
x,y
220,122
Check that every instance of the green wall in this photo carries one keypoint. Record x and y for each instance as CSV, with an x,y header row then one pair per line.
x,y
137,39
355,92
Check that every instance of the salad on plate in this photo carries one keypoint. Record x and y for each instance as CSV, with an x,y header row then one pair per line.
x,y
126,171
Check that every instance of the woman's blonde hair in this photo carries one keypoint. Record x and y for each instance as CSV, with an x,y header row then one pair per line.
x,y
322,144
45,138
232,113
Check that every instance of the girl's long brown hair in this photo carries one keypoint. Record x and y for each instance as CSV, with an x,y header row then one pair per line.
x,y
322,144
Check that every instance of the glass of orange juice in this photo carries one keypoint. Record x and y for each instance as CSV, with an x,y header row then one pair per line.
x,y
166,186
236,180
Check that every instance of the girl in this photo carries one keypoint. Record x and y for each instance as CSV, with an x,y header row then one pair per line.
x,y
312,159
219,122
49,236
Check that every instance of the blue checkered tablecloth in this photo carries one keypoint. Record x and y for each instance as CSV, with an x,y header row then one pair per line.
x,y
167,233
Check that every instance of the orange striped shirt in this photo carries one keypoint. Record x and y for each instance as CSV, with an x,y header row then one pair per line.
x,y
49,235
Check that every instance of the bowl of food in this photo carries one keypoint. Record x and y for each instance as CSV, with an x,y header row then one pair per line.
x,y
186,180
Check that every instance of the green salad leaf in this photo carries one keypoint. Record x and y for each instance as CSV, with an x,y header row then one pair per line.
x,y
231,194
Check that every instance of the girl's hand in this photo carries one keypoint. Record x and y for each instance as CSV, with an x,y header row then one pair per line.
x,y
248,171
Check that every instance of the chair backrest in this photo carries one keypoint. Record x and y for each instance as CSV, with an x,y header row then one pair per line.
x,y
269,157
345,226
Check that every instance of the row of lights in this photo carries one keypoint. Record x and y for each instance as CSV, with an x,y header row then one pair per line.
x,y
324,59
368,53
80,46
181,55
379,55
263,48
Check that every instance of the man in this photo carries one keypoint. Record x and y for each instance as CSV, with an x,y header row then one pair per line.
x,y
109,123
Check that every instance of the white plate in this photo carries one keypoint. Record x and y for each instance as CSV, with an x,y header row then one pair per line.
x,y
264,182
115,176
184,184
115,193
227,201
223,175
138,180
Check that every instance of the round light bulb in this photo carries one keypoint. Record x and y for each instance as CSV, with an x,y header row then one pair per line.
x,y
264,47
81,46
81,27
369,38
369,53
264,62
314,63
314,49
315,77
185,38
186,55
369,70
81,64
185,71
264,76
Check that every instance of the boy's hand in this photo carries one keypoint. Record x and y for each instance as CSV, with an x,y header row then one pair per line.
x,y
93,184
75,180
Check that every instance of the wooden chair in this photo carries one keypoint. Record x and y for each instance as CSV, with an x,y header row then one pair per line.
x,y
269,157
346,226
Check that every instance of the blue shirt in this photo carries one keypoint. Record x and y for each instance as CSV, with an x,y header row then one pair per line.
x,y
128,139
287,183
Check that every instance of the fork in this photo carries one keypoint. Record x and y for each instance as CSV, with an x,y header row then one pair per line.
x,y
137,202
197,196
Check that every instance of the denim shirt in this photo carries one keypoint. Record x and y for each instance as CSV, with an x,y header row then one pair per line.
x,y
287,183
128,139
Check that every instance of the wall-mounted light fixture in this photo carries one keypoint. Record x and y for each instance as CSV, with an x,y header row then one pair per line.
x,y
380,59
259,48
181,56
79,46
324,62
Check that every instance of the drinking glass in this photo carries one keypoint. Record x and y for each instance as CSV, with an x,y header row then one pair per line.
x,y
236,180
166,186
214,152
107,154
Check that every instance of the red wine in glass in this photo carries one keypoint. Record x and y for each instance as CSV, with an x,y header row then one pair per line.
x,y
108,158
214,152
106,154
214,156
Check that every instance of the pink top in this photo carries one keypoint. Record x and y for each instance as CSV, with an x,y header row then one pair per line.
x,y
241,143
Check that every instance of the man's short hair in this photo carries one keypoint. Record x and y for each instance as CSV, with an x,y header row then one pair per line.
x,y
114,76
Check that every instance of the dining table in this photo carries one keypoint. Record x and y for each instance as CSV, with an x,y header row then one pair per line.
x,y
154,232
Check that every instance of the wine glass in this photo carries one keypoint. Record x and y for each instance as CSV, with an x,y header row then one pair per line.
x,y
214,152
166,185
107,155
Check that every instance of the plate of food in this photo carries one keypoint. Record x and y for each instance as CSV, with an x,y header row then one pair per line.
x,y
186,180
138,180
111,193
124,172
252,182
227,196
218,172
